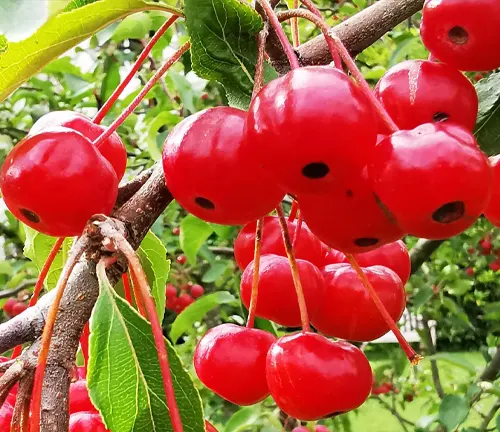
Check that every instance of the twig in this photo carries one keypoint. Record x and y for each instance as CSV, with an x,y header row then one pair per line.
x,y
22,286
20,419
220,250
256,273
9,379
395,413
126,191
75,254
431,350
489,416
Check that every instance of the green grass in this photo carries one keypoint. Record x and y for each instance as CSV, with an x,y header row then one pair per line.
x,y
372,417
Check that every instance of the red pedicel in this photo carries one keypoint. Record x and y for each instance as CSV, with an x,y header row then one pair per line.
x,y
277,298
348,312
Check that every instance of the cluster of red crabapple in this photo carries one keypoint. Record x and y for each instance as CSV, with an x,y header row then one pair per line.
x,y
178,300
84,417
361,184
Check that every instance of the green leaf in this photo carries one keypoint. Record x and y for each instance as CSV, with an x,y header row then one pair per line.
x,y
453,411
492,311
197,310
488,119
124,373
224,47
425,422
242,419
422,296
136,26
63,31
455,360
111,78
37,248
459,287
458,313
194,233
215,271
154,260
497,422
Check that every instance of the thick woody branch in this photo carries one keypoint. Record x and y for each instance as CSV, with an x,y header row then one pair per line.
x,y
356,33
422,251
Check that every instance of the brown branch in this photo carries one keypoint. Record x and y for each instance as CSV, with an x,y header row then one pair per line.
x,y
431,350
422,251
361,30
490,372
126,191
20,419
219,250
22,286
489,416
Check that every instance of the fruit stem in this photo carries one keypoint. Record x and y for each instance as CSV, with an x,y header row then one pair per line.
x,y
275,24
293,211
295,26
140,280
259,64
75,254
142,94
358,76
84,344
137,294
138,63
409,351
316,18
126,288
39,283
304,317
297,232
256,273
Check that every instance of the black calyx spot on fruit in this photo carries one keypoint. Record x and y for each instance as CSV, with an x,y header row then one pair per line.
x,y
28,214
366,241
449,212
204,203
458,35
440,117
315,170
349,193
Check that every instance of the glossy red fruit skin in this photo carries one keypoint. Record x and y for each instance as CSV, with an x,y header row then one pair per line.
x,y
311,377
86,422
210,427
231,361
19,308
311,115
206,145
469,271
476,49
308,247
60,177
170,290
492,211
393,255
79,399
434,180
185,300
111,149
348,218
408,92
6,413
181,259
333,256
9,305
347,310
171,303
317,428
277,298
197,291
